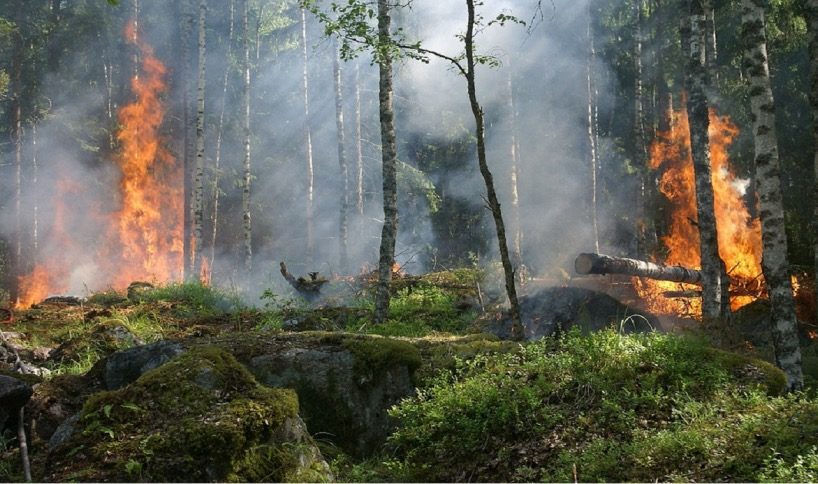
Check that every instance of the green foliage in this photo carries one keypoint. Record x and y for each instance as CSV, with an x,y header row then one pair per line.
x,y
193,298
423,309
624,408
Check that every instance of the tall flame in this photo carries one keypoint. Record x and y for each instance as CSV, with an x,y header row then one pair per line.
x,y
149,223
739,234
143,238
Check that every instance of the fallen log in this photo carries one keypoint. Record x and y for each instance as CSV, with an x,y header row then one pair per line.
x,y
589,263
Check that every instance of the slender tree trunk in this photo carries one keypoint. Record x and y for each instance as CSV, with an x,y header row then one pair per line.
x,y
812,24
715,302
494,204
35,173
188,139
215,191
197,206
710,36
343,228
17,141
135,64
248,226
768,184
592,146
359,152
389,159
308,145
516,230
643,223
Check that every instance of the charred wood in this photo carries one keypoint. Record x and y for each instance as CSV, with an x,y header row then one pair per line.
x,y
309,288
589,263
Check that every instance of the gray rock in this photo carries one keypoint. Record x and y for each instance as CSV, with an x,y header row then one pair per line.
x,y
126,366
555,309
338,401
64,431
14,394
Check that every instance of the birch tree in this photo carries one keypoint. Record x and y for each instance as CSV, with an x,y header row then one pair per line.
x,y
307,142
768,185
356,33
592,146
197,205
715,303
246,216
343,252
215,189
811,11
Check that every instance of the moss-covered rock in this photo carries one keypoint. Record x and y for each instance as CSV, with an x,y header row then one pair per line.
x,y
345,382
200,417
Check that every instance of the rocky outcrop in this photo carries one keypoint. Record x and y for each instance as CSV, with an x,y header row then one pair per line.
x,y
199,417
345,383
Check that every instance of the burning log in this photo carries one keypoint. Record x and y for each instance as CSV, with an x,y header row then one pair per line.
x,y
309,288
588,263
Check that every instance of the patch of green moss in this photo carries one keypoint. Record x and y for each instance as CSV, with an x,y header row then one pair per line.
x,y
374,356
442,352
197,418
751,370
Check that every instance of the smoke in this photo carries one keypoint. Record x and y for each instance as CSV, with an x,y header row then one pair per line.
x,y
547,68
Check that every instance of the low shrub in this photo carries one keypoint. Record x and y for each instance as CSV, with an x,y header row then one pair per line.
x,y
607,407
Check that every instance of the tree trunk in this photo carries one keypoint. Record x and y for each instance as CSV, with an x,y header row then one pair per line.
x,y
343,236
643,223
188,140
359,152
812,24
215,190
17,141
35,173
389,156
710,37
247,225
516,224
494,203
715,302
592,146
308,145
197,206
604,264
768,184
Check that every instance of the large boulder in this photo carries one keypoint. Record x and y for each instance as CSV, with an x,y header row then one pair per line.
x,y
14,393
199,417
556,309
345,383
124,367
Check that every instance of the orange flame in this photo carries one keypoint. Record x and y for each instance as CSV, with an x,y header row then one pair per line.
x,y
143,238
149,224
739,234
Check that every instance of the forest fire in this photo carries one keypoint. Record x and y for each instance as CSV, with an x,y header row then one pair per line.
x,y
739,233
142,239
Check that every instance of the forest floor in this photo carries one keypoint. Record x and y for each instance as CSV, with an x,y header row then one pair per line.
x,y
588,403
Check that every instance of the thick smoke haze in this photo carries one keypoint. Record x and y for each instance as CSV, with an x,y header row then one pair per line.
x,y
546,65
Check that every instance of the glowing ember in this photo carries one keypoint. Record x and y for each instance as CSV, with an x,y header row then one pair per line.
x,y
739,234
142,239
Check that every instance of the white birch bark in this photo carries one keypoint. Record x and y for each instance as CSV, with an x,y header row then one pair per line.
x,y
768,185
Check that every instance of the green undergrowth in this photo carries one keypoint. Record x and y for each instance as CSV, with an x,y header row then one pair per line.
x,y
617,408
441,302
